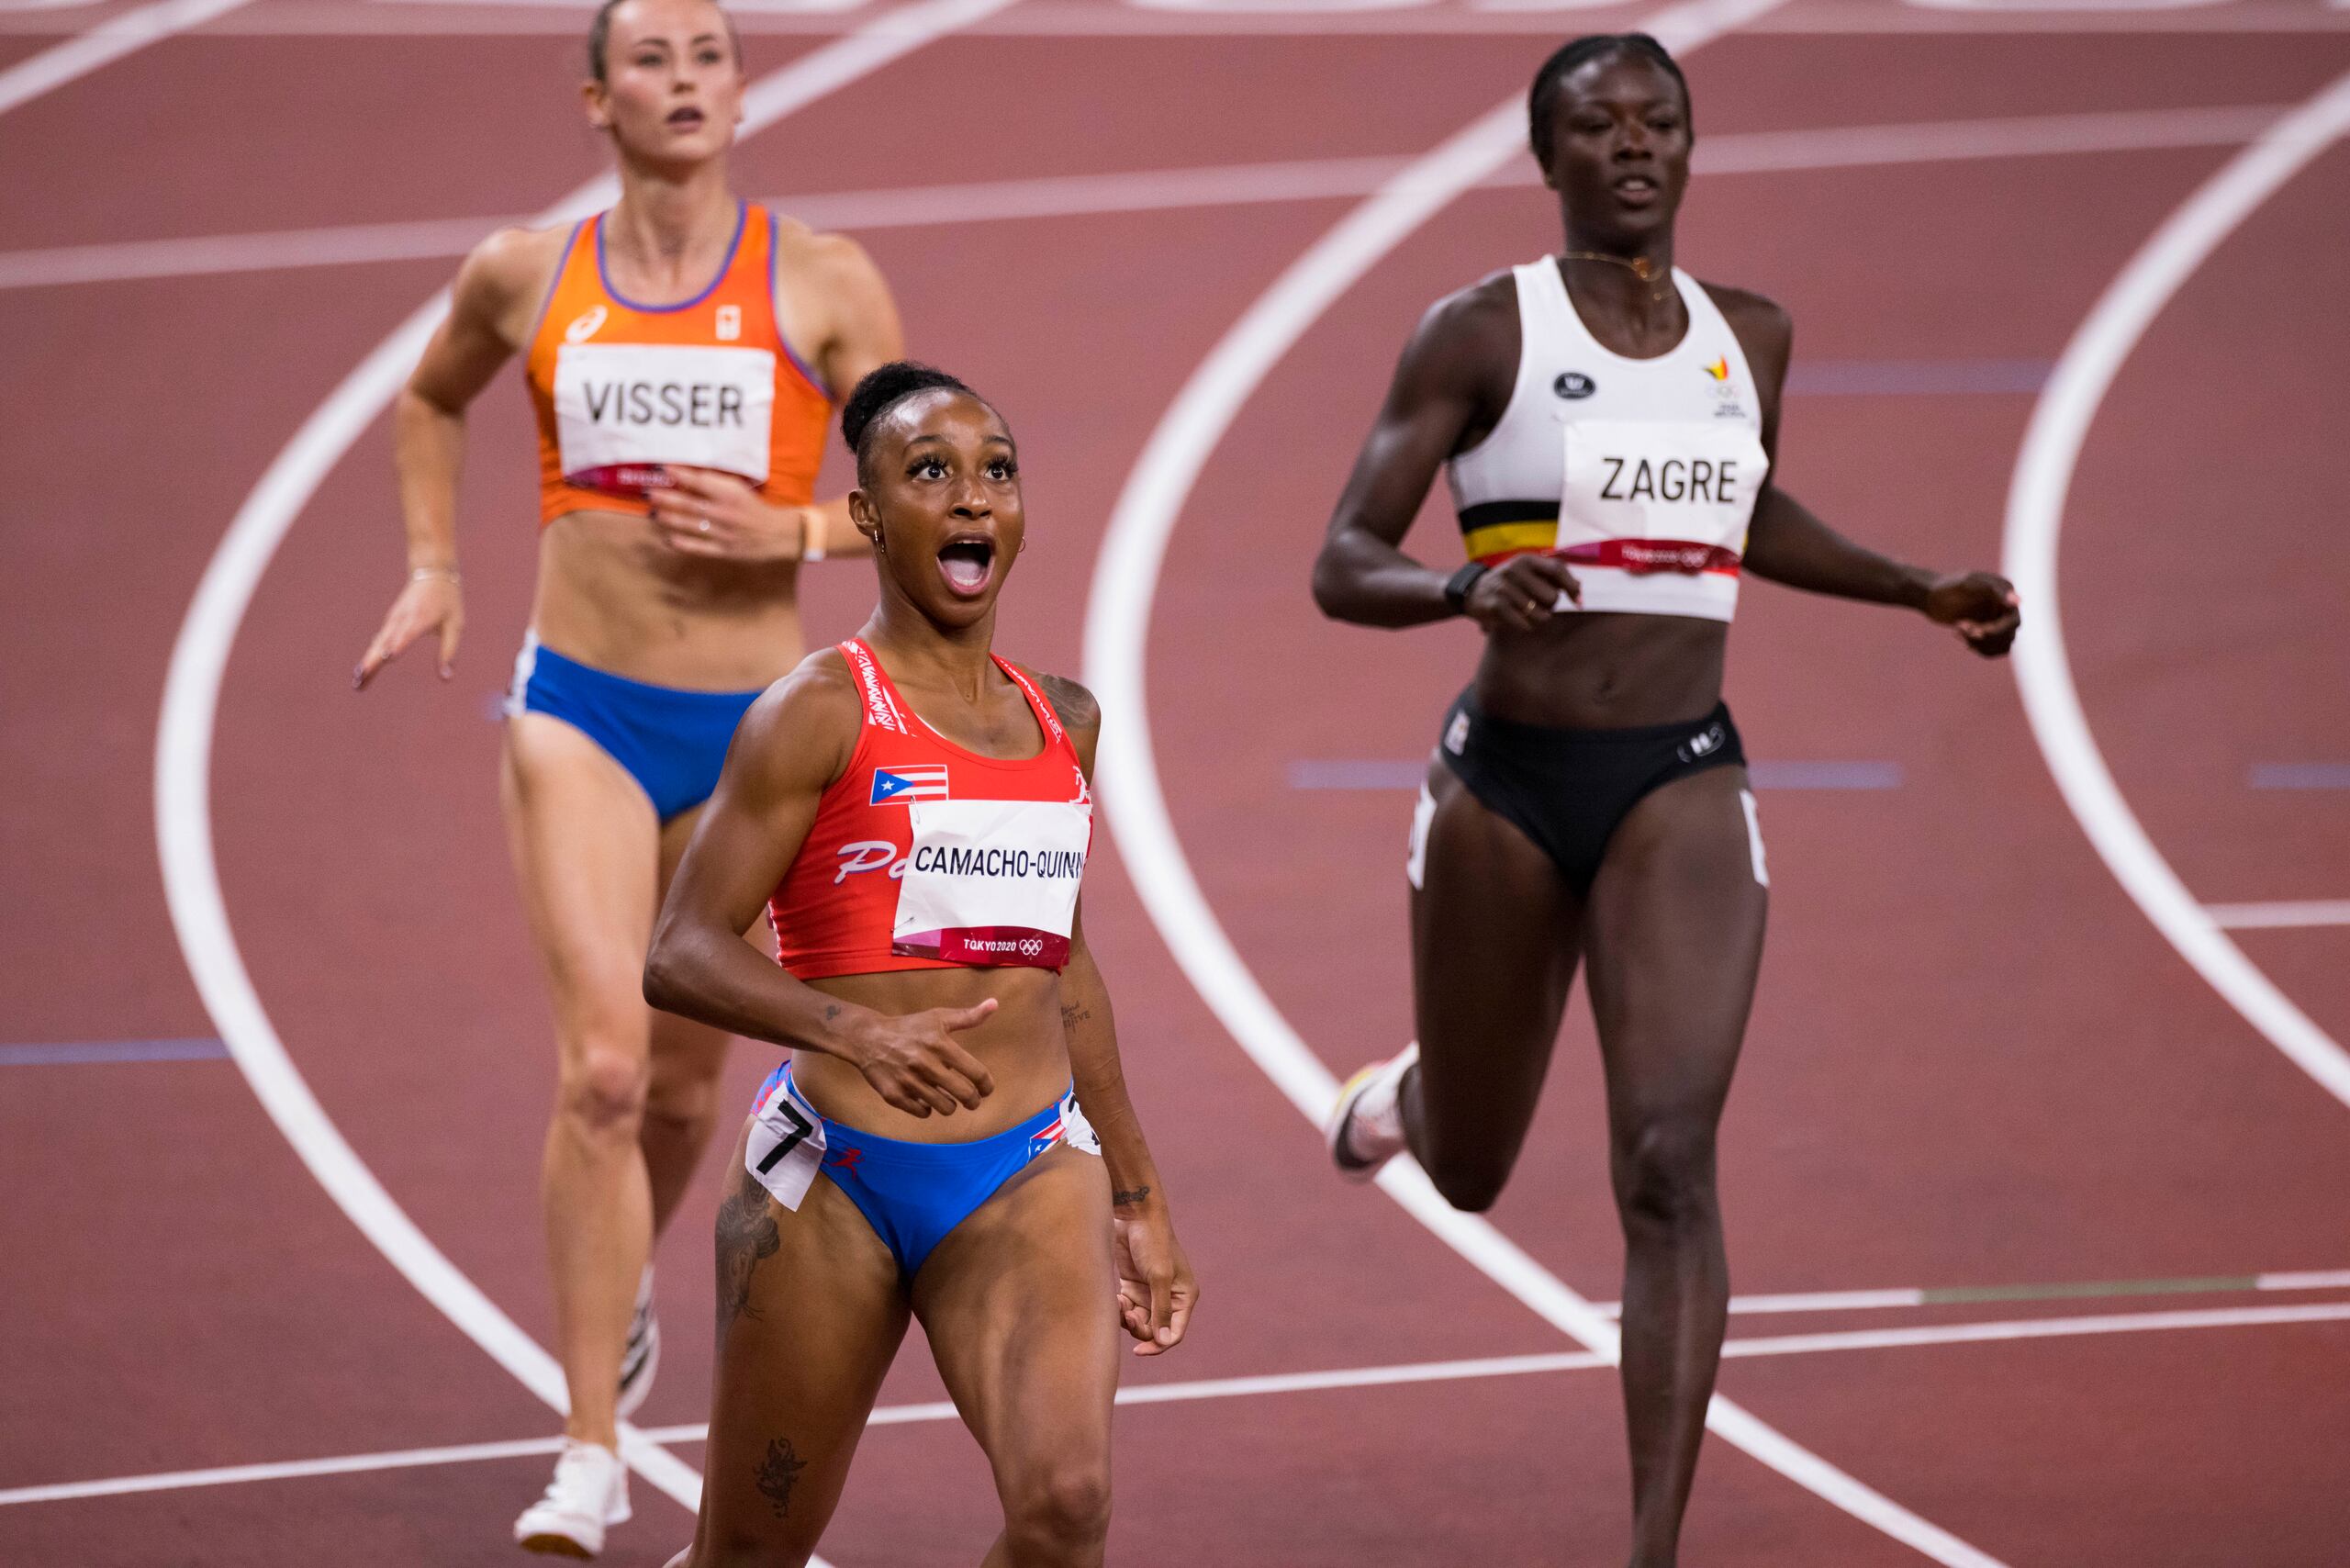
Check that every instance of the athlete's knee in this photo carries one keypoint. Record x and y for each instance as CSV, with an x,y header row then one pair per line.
x,y
1665,1169
1059,1513
682,1100
732,1551
603,1088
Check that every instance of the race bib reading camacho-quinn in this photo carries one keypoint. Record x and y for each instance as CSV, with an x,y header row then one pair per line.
x,y
992,882
1663,508
624,411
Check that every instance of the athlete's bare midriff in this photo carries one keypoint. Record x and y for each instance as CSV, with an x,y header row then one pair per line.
x,y
610,594
1604,671
1022,1044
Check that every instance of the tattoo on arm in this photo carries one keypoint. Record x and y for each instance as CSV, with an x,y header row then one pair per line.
x,y
832,1012
1133,1195
1073,1013
746,1236
778,1473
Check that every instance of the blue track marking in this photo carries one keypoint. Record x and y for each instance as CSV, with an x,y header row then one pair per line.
x,y
2299,775
76,1052
1915,377
1378,773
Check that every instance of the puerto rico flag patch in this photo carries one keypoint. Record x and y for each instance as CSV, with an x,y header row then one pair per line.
x,y
902,786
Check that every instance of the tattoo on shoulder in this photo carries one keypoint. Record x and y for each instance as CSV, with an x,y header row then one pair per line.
x,y
747,1237
1132,1196
778,1473
1077,706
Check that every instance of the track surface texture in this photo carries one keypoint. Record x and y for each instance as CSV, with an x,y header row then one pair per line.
x,y
1974,1062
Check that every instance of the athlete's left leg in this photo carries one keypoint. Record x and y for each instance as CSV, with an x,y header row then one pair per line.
x,y
1020,1302
682,1108
1672,936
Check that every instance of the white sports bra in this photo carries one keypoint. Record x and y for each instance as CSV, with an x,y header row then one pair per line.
x,y
1641,473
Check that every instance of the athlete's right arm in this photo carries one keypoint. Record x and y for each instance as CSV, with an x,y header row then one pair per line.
x,y
489,315
1451,388
792,745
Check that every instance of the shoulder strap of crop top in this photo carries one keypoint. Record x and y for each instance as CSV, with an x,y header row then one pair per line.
x,y
884,709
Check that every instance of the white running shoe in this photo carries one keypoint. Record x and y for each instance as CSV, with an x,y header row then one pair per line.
x,y
589,1492
1365,1127
642,1358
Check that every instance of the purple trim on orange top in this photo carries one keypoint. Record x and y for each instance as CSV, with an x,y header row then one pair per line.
x,y
741,221
775,308
562,266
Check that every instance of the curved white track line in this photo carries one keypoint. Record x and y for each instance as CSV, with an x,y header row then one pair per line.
x,y
126,32
2060,423
191,697
1117,627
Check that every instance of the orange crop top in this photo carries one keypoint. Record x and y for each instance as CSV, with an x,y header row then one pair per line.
x,y
620,389
925,855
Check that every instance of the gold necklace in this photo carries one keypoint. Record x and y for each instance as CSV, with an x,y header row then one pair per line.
x,y
1642,267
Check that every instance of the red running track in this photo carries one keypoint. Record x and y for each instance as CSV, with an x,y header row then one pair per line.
x,y
1973,1062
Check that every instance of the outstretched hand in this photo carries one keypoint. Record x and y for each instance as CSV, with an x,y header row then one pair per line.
x,y
430,602
1981,606
1156,1290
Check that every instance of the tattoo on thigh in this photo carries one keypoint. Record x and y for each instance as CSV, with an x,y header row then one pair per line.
x,y
746,1236
778,1473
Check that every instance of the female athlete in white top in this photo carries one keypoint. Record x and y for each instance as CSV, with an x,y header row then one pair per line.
x,y
1610,424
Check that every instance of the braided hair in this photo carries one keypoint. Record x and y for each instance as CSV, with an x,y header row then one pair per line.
x,y
1569,57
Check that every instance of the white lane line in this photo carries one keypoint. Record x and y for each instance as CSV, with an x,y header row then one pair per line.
x,y
123,33
1118,631
191,697
2275,916
2314,1280
2035,1329
1158,190
1404,1373
2052,445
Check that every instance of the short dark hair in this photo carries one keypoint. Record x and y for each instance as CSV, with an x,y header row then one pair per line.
x,y
600,37
1569,57
883,390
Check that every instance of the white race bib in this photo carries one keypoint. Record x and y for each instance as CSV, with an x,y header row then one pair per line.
x,y
992,882
785,1147
1690,484
624,410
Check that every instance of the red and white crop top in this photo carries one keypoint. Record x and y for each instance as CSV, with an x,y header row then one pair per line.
x,y
925,855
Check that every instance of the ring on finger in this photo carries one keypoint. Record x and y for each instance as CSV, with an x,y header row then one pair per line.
x,y
703,525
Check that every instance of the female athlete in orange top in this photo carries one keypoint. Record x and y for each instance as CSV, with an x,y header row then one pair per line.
x,y
683,351
914,813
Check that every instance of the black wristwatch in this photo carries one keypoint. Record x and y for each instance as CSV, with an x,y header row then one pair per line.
x,y
1456,587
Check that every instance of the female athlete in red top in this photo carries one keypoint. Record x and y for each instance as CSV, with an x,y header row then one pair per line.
x,y
913,812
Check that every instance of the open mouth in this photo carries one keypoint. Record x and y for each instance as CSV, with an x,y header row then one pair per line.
x,y
1635,188
967,564
685,120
